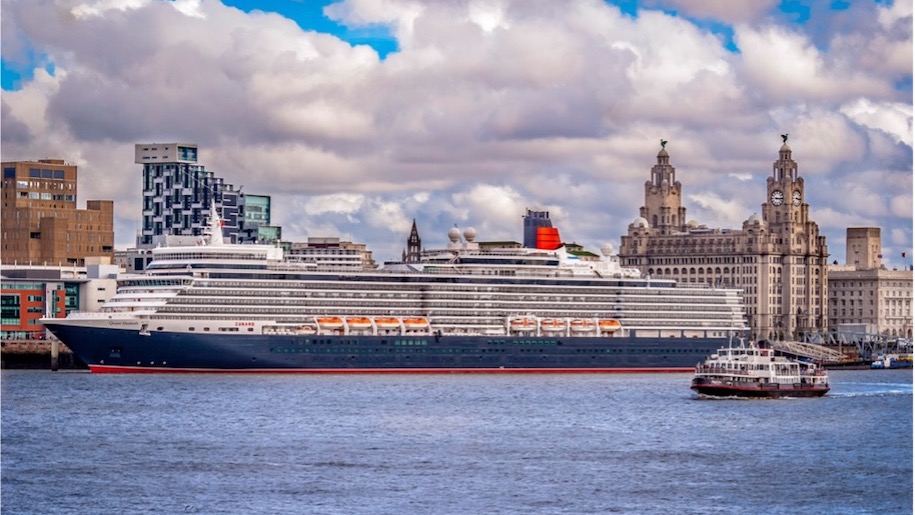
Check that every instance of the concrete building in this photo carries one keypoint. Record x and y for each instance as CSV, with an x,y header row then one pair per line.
x,y
41,223
778,259
329,253
863,294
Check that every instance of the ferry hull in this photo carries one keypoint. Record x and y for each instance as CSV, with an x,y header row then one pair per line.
x,y
112,350
723,388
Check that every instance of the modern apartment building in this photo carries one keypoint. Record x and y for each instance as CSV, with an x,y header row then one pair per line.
x,y
177,194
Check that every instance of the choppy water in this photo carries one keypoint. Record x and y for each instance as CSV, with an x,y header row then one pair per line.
x,y
394,444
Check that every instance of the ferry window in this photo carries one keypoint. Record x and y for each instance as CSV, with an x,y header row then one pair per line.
x,y
206,328
190,328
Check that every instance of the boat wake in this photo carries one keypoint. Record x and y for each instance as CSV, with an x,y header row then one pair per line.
x,y
878,390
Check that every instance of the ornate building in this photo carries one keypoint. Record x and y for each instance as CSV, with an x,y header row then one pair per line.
x,y
779,260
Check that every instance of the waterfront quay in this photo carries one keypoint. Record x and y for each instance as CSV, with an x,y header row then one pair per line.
x,y
37,354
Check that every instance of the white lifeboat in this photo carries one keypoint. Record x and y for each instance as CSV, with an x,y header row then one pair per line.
x,y
523,324
306,329
552,325
582,326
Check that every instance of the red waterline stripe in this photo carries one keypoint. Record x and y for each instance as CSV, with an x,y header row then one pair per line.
x,y
116,369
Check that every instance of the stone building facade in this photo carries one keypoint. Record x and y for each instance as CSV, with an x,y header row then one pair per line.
x,y
866,297
778,259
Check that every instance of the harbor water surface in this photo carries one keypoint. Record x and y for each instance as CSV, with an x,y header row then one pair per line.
x,y
73,442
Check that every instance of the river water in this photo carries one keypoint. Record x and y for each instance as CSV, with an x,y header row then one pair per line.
x,y
73,442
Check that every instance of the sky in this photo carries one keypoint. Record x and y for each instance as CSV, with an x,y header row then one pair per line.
x,y
359,116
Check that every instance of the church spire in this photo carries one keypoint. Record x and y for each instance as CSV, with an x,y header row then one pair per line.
x,y
414,246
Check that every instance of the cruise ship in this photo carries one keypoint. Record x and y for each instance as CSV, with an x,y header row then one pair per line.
x,y
221,307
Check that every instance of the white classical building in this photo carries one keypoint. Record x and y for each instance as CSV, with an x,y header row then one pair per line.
x,y
778,258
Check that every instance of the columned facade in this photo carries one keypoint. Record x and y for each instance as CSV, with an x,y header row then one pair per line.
x,y
778,259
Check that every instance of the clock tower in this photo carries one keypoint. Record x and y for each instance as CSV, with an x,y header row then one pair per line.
x,y
785,189
793,256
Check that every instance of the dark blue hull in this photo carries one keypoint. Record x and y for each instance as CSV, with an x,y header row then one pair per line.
x,y
113,350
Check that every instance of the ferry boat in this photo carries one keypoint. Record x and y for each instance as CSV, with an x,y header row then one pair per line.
x,y
220,307
754,370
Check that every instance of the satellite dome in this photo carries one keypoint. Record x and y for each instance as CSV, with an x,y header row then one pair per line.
x,y
606,249
470,234
454,234
692,224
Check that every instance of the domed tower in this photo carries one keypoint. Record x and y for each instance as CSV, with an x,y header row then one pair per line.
x,y
663,208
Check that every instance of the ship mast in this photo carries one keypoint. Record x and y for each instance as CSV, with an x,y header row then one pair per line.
x,y
215,228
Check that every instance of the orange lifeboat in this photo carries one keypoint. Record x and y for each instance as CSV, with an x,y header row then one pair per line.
x,y
609,325
387,323
330,322
581,326
358,323
416,323
552,325
523,324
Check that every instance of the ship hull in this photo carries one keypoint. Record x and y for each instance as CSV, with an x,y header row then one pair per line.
x,y
724,388
114,350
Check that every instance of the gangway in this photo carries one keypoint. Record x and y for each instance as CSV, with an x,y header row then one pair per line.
x,y
810,351
868,346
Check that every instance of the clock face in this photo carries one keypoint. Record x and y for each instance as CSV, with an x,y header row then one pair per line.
x,y
777,198
796,198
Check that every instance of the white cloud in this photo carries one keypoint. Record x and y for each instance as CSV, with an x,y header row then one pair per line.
x,y
343,203
487,108
727,11
893,118
100,7
786,65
